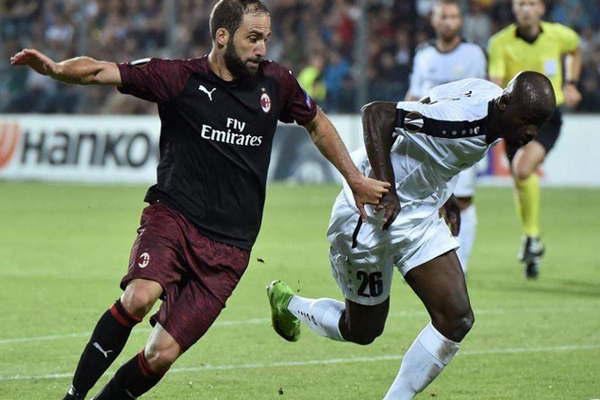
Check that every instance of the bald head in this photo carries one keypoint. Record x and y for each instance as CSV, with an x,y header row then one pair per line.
x,y
526,104
532,94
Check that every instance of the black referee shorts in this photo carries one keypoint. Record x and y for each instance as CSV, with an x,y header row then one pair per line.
x,y
547,137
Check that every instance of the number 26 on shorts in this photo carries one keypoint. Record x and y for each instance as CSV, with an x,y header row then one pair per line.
x,y
371,284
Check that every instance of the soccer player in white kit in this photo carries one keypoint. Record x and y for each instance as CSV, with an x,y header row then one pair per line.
x,y
419,148
446,59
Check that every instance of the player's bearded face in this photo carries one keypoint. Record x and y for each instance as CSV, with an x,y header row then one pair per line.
x,y
247,47
447,21
235,64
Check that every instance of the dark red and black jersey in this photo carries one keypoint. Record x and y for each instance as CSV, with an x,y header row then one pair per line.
x,y
215,140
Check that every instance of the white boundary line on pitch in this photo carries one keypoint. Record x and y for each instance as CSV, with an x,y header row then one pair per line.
x,y
258,321
391,357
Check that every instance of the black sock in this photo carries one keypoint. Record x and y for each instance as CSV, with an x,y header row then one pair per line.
x,y
107,341
133,379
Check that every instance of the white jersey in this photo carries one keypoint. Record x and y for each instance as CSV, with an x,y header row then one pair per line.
x,y
434,142
432,67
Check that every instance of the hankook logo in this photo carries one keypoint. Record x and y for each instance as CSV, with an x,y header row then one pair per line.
x,y
10,132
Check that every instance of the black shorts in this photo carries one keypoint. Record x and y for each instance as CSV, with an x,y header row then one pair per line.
x,y
547,137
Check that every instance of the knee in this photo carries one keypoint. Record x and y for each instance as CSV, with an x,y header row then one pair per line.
x,y
366,336
464,323
455,326
138,301
521,172
160,357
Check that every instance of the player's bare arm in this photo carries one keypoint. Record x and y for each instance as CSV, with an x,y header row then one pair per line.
x,y
327,140
378,120
573,64
78,70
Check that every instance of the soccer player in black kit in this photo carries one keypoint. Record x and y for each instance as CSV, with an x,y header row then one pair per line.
x,y
219,114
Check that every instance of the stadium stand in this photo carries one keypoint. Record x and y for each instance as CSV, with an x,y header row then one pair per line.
x,y
314,38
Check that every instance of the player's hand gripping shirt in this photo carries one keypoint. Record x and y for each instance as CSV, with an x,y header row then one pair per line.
x,y
434,142
510,54
433,67
215,140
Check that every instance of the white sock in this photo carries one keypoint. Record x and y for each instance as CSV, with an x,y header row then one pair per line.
x,y
321,315
424,360
466,236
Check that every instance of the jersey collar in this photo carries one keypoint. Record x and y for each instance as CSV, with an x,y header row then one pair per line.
x,y
434,44
528,39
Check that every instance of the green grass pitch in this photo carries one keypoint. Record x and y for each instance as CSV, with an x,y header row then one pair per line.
x,y
63,249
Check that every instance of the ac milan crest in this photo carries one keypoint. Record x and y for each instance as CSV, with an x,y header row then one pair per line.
x,y
143,260
265,102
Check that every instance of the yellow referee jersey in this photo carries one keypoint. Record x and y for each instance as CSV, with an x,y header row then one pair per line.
x,y
510,54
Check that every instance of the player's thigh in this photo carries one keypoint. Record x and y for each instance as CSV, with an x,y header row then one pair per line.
x,y
213,271
440,284
140,295
363,321
156,258
187,312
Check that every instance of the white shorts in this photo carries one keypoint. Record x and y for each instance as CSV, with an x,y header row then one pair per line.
x,y
366,277
465,186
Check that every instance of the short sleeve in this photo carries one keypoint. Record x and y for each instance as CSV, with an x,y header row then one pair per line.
x,y
496,66
569,39
297,104
154,79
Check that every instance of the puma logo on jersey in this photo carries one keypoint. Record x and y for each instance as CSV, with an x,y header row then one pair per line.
x,y
203,89
101,350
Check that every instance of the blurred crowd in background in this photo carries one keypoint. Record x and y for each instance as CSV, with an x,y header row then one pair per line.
x,y
316,39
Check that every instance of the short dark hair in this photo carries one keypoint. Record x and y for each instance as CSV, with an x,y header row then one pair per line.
x,y
534,94
228,14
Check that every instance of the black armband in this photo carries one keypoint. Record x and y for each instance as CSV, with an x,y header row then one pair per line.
x,y
415,122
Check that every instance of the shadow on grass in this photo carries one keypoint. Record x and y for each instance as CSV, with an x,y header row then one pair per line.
x,y
562,287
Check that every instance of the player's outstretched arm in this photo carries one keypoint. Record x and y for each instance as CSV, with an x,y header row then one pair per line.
x,y
327,140
379,119
78,70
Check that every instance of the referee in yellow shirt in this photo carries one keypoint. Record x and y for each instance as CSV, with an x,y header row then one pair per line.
x,y
534,45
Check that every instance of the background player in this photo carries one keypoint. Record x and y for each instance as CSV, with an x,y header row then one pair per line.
x,y
219,114
450,58
532,44
453,131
